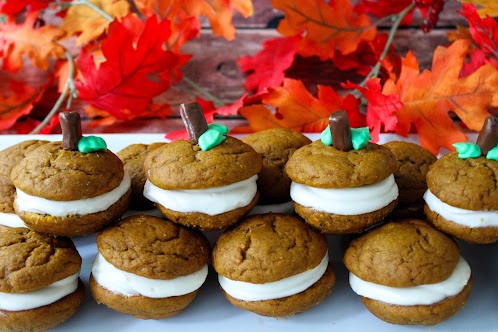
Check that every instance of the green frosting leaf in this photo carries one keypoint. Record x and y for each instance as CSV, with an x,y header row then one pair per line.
x,y
326,136
467,150
493,153
89,144
215,134
360,137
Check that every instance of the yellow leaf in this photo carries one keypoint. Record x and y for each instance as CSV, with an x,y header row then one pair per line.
x,y
486,7
89,23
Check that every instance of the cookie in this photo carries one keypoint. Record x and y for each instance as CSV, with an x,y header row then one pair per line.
x,y
413,164
133,157
207,190
9,157
148,267
409,273
342,192
275,146
273,265
70,193
462,197
40,285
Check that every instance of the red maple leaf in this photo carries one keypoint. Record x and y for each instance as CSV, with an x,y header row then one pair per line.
x,y
133,72
13,7
381,109
484,32
267,68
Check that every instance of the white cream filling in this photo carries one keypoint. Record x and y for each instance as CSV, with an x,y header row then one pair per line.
x,y
418,295
211,201
468,218
40,297
346,201
295,284
129,284
11,220
285,207
84,206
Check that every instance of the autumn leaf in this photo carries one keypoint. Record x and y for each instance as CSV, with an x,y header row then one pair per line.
x,y
218,12
133,72
486,7
297,109
267,68
38,44
484,32
14,7
383,8
17,102
27,125
428,96
87,23
381,109
325,27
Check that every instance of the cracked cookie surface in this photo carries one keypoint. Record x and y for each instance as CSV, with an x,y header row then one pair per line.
x,y
30,260
405,253
322,166
62,175
153,248
183,165
470,184
268,247
10,157
133,157
275,146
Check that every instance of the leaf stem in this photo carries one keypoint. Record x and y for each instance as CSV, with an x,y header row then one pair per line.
x,y
94,7
217,101
69,89
396,21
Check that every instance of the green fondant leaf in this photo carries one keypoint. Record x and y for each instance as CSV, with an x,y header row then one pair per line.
x,y
467,150
326,136
493,153
360,137
215,134
89,144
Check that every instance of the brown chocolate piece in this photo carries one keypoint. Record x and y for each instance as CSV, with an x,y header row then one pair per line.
x,y
71,130
341,131
193,119
488,136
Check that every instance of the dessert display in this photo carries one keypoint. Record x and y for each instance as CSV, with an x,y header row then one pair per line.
x,y
207,182
133,157
413,164
148,267
9,157
40,286
70,188
273,265
407,272
342,183
275,146
462,195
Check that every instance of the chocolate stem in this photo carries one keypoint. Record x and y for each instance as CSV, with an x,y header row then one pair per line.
x,y
193,119
71,130
341,131
488,136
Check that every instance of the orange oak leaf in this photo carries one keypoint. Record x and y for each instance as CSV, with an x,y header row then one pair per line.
x,y
136,69
87,23
428,96
38,44
218,12
324,26
17,102
298,109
